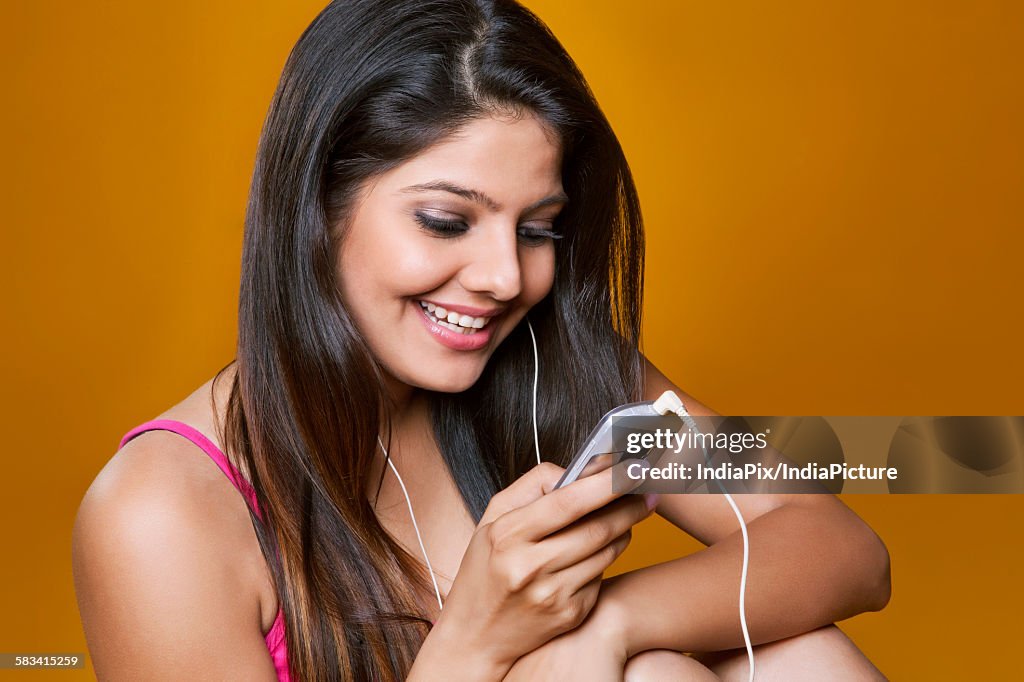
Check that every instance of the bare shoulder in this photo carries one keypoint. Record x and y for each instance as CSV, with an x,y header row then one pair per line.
x,y
656,383
159,554
708,517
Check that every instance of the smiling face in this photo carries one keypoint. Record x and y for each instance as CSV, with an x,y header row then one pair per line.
x,y
445,254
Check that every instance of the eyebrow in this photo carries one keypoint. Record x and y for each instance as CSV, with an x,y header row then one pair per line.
x,y
479,197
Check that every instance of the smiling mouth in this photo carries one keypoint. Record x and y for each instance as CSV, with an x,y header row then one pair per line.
x,y
456,322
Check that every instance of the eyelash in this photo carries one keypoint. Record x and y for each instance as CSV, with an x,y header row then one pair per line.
x,y
454,228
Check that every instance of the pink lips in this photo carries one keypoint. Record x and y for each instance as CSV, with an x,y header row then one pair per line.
x,y
466,310
456,340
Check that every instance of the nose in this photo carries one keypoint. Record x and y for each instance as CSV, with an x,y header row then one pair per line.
x,y
492,264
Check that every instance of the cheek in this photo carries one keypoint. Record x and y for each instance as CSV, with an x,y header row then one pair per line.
x,y
380,261
411,268
538,273
374,282
354,275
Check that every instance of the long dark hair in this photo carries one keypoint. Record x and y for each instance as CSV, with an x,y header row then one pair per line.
x,y
370,84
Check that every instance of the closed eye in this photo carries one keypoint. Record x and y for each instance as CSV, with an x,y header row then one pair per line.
x,y
441,226
531,235
535,236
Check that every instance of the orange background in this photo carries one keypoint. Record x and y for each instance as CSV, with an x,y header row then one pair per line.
x,y
833,200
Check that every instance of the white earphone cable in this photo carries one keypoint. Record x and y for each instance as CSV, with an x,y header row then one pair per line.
x,y
415,527
685,416
680,410
401,483
536,374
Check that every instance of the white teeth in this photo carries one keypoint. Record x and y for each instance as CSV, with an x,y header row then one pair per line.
x,y
455,327
464,324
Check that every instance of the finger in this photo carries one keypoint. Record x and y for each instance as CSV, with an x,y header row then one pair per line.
x,y
588,535
563,506
586,596
528,488
580,574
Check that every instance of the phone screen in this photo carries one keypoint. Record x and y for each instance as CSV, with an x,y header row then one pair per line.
x,y
598,452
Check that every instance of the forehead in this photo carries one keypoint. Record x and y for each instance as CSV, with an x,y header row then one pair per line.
x,y
513,160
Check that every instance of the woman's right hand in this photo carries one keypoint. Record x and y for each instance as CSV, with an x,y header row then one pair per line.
x,y
534,565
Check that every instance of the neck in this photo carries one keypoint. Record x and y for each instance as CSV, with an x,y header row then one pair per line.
x,y
398,394
408,444
409,420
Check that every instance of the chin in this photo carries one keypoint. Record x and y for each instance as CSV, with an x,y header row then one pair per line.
x,y
450,385
457,383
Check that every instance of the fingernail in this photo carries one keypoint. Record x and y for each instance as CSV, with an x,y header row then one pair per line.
x,y
651,500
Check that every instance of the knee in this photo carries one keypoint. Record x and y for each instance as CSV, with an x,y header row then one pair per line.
x,y
825,653
662,665
824,649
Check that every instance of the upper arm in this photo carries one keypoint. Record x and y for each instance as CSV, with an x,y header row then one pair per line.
x,y
708,517
158,594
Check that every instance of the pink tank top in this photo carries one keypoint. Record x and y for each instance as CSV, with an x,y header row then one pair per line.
x,y
275,638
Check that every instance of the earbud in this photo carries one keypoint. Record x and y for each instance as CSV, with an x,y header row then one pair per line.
x,y
669,403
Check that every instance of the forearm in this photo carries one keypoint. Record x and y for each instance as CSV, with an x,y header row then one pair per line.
x,y
809,566
443,657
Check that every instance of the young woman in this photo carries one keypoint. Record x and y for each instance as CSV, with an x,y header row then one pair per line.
x,y
434,184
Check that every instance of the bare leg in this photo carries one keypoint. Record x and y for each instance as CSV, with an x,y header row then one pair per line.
x,y
663,665
822,655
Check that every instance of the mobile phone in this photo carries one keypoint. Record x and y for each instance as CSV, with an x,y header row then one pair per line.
x,y
599,450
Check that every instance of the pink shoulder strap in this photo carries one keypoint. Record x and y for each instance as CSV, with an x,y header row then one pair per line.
x,y
275,638
204,444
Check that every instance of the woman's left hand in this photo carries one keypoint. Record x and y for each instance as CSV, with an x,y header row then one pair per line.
x,y
594,651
